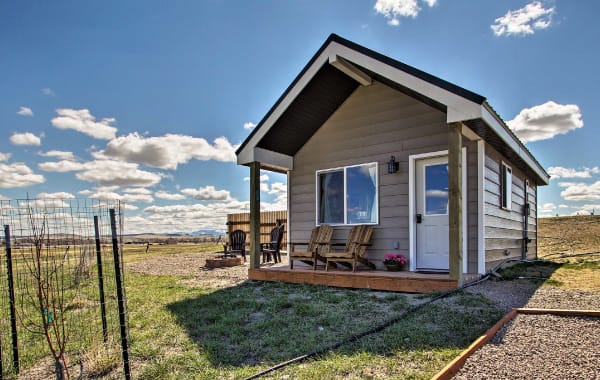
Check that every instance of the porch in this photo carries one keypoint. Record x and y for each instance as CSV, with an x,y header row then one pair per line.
x,y
410,282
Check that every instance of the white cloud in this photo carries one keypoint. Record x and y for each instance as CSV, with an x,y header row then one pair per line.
x,y
392,9
207,193
278,188
108,194
25,111
18,175
168,151
61,155
169,196
61,166
580,191
249,125
83,121
57,195
560,172
4,156
546,121
137,190
524,21
108,172
547,208
26,138
47,91
105,172
137,198
563,206
43,203
263,178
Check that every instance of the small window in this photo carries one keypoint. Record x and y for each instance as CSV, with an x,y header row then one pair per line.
x,y
348,195
506,187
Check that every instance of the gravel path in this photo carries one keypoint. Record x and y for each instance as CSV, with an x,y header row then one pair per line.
x,y
539,346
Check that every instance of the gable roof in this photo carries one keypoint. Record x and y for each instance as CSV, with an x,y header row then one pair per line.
x,y
337,69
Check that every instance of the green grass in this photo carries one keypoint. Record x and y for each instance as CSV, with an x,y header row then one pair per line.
x,y
179,331
185,332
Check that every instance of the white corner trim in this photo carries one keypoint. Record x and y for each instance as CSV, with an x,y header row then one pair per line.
x,y
481,207
465,215
289,217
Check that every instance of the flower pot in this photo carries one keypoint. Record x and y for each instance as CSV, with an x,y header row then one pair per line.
x,y
394,267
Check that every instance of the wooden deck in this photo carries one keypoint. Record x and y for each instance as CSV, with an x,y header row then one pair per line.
x,y
410,282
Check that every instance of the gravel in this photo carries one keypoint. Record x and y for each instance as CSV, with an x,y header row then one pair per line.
x,y
538,346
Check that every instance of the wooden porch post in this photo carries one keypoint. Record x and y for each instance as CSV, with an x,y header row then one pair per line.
x,y
455,201
255,215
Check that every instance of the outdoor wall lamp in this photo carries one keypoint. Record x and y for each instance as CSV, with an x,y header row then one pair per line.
x,y
393,166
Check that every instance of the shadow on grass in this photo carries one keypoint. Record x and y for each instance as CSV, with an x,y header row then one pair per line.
x,y
267,322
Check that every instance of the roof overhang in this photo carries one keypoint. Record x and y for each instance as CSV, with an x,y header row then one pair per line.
x,y
319,90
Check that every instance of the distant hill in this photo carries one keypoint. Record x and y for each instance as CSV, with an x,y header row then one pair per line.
x,y
176,237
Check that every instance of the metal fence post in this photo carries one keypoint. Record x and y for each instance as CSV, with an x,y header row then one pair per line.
x,y
11,294
120,295
100,280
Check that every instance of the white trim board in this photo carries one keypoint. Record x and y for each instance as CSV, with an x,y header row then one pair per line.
x,y
480,206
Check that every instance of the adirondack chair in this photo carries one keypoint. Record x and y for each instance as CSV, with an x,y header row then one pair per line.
x,y
272,248
237,244
320,242
355,248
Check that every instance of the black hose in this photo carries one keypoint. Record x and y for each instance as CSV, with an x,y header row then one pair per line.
x,y
390,322
374,330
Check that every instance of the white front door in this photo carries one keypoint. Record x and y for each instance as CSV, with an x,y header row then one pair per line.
x,y
431,205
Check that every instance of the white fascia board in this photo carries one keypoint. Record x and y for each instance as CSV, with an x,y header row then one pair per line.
x,y
245,154
459,108
267,157
274,159
513,144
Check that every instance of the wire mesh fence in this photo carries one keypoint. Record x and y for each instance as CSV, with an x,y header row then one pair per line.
x,y
62,304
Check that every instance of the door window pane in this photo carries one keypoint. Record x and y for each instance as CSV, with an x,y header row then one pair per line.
x,y
436,189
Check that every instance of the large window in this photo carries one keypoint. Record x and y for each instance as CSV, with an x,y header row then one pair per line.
x,y
348,195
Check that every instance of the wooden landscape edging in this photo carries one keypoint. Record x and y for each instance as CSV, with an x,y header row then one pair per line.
x,y
455,365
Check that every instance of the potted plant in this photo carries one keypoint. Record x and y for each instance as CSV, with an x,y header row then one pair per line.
x,y
394,261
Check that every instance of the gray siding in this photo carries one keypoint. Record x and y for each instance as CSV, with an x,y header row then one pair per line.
x,y
374,123
504,228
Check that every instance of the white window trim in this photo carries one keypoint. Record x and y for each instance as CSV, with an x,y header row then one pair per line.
x,y
506,187
343,169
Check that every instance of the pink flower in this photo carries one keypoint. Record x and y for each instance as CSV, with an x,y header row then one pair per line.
x,y
394,258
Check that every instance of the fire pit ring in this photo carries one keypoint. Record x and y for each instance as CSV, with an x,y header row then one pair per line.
x,y
223,261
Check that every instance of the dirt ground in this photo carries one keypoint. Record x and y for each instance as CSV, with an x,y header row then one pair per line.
x,y
192,266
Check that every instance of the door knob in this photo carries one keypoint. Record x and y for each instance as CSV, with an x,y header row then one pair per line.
x,y
419,218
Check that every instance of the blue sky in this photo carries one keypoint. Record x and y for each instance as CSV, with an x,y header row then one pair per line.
x,y
146,101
